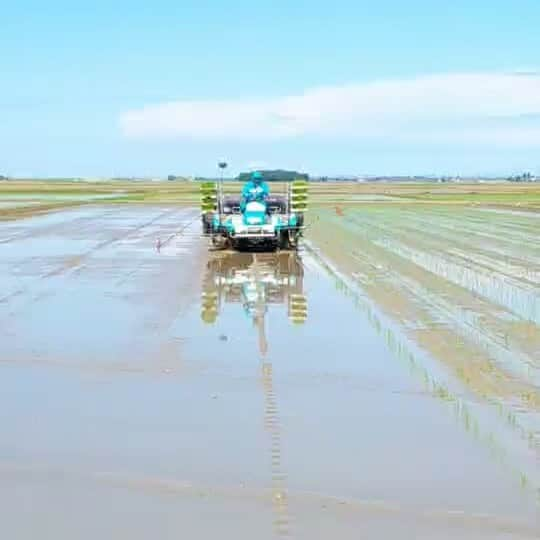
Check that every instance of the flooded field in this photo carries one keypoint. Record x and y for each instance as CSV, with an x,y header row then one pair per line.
x,y
383,382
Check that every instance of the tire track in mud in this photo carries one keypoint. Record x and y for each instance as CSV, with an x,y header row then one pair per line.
x,y
280,495
77,262
159,345
91,219
180,232
48,229
43,231
80,259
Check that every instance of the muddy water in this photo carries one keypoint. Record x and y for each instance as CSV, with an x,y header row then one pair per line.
x,y
177,392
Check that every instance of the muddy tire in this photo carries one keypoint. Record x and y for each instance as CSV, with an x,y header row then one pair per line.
x,y
294,239
207,224
284,240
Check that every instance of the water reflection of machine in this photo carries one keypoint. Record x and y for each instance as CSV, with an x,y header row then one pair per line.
x,y
255,280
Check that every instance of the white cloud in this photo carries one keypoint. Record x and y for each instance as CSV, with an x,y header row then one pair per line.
x,y
467,107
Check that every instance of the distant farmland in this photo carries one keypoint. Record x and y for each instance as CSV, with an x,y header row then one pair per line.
x,y
28,197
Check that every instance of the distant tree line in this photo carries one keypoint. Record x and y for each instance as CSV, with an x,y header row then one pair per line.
x,y
277,175
525,177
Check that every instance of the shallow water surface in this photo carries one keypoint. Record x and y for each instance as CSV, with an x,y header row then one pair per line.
x,y
181,392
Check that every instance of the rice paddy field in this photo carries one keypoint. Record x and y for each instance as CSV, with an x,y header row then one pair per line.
x,y
463,284
382,381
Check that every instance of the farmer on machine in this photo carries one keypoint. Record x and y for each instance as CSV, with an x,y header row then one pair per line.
x,y
255,189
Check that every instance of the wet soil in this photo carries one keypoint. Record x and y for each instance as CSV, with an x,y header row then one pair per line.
x,y
153,388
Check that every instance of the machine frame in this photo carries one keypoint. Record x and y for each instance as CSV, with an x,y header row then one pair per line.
x,y
276,222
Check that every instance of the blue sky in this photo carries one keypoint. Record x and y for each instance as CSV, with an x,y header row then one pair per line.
x,y
344,87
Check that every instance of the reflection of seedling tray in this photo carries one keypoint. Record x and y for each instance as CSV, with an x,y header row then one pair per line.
x,y
280,277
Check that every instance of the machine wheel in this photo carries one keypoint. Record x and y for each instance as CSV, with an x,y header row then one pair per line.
x,y
294,237
219,242
207,224
284,240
